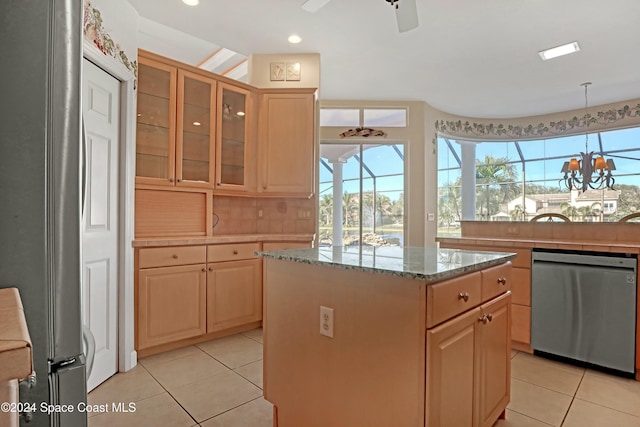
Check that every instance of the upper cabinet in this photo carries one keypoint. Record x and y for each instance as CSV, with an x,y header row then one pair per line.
x,y
198,129
287,142
175,129
195,140
233,136
156,123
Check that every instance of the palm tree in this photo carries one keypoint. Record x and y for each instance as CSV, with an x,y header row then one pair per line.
x,y
326,209
517,214
569,210
347,208
495,171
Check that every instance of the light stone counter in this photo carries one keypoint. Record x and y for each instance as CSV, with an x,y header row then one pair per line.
x,y
430,264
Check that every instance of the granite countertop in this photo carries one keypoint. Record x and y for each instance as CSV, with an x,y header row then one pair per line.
x,y
429,264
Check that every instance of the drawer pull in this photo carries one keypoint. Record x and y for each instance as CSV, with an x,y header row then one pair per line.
x,y
502,281
235,252
175,256
463,296
486,318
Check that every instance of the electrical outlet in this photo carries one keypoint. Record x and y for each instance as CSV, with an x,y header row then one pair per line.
x,y
326,321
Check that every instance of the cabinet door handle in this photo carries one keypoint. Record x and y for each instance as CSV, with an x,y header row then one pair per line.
x,y
489,317
235,252
179,179
484,319
170,179
210,268
175,256
502,281
204,270
463,296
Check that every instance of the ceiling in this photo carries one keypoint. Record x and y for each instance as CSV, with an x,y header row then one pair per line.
x,y
474,58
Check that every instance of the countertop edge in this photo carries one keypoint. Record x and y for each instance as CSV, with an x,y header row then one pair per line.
x,y
429,277
226,238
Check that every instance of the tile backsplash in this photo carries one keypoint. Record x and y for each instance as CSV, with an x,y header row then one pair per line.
x,y
246,215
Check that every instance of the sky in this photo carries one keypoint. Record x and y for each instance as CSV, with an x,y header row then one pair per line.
x,y
623,146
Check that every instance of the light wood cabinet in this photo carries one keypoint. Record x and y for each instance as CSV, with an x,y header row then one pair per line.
x,y
175,139
171,304
468,367
190,291
156,122
281,246
519,282
195,142
287,143
233,142
234,293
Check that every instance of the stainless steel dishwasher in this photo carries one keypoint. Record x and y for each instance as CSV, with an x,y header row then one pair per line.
x,y
583,307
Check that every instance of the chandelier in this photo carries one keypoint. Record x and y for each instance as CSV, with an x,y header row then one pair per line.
x,y
588,172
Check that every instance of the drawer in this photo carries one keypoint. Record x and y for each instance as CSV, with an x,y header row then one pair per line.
x,y
448,299
496,280
232,251
169,256
521,286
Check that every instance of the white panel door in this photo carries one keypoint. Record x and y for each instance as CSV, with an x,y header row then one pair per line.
x,y
100,109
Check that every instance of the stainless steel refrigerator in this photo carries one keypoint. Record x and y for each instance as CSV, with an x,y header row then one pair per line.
x,y
40,193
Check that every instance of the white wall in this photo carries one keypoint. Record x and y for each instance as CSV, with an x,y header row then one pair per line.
x,y
260,70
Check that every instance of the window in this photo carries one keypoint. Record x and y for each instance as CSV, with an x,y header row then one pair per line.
x,y
363,117
517,180
370,181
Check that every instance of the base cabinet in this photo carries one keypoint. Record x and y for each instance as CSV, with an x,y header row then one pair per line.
x,y
191,291
468,367
171,304
234,293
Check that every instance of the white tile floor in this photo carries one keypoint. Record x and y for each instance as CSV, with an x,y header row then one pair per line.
x,y
219,384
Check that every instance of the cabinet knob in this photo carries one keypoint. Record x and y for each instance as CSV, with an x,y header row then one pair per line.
x,y
210,268
486,318
264,187
218,183
204,270
170,179
179,179
175,256
502,281
235,252
463,296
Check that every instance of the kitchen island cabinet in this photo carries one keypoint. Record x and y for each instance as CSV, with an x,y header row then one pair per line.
x,y
396,336
523,237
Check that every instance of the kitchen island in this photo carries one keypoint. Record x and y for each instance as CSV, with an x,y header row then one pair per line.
x,y
387,336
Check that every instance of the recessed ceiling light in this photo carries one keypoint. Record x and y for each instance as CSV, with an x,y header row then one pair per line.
x,y
196,123
240,113
554,52
294,38
190,2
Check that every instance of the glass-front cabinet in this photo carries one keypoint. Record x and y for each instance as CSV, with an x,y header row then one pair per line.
x,y
195,130
155,130
232,137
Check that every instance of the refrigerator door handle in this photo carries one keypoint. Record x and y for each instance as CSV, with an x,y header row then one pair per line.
x,y
83,157
89,348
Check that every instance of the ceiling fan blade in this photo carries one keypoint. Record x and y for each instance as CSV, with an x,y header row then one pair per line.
x,y
407,15
314,5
